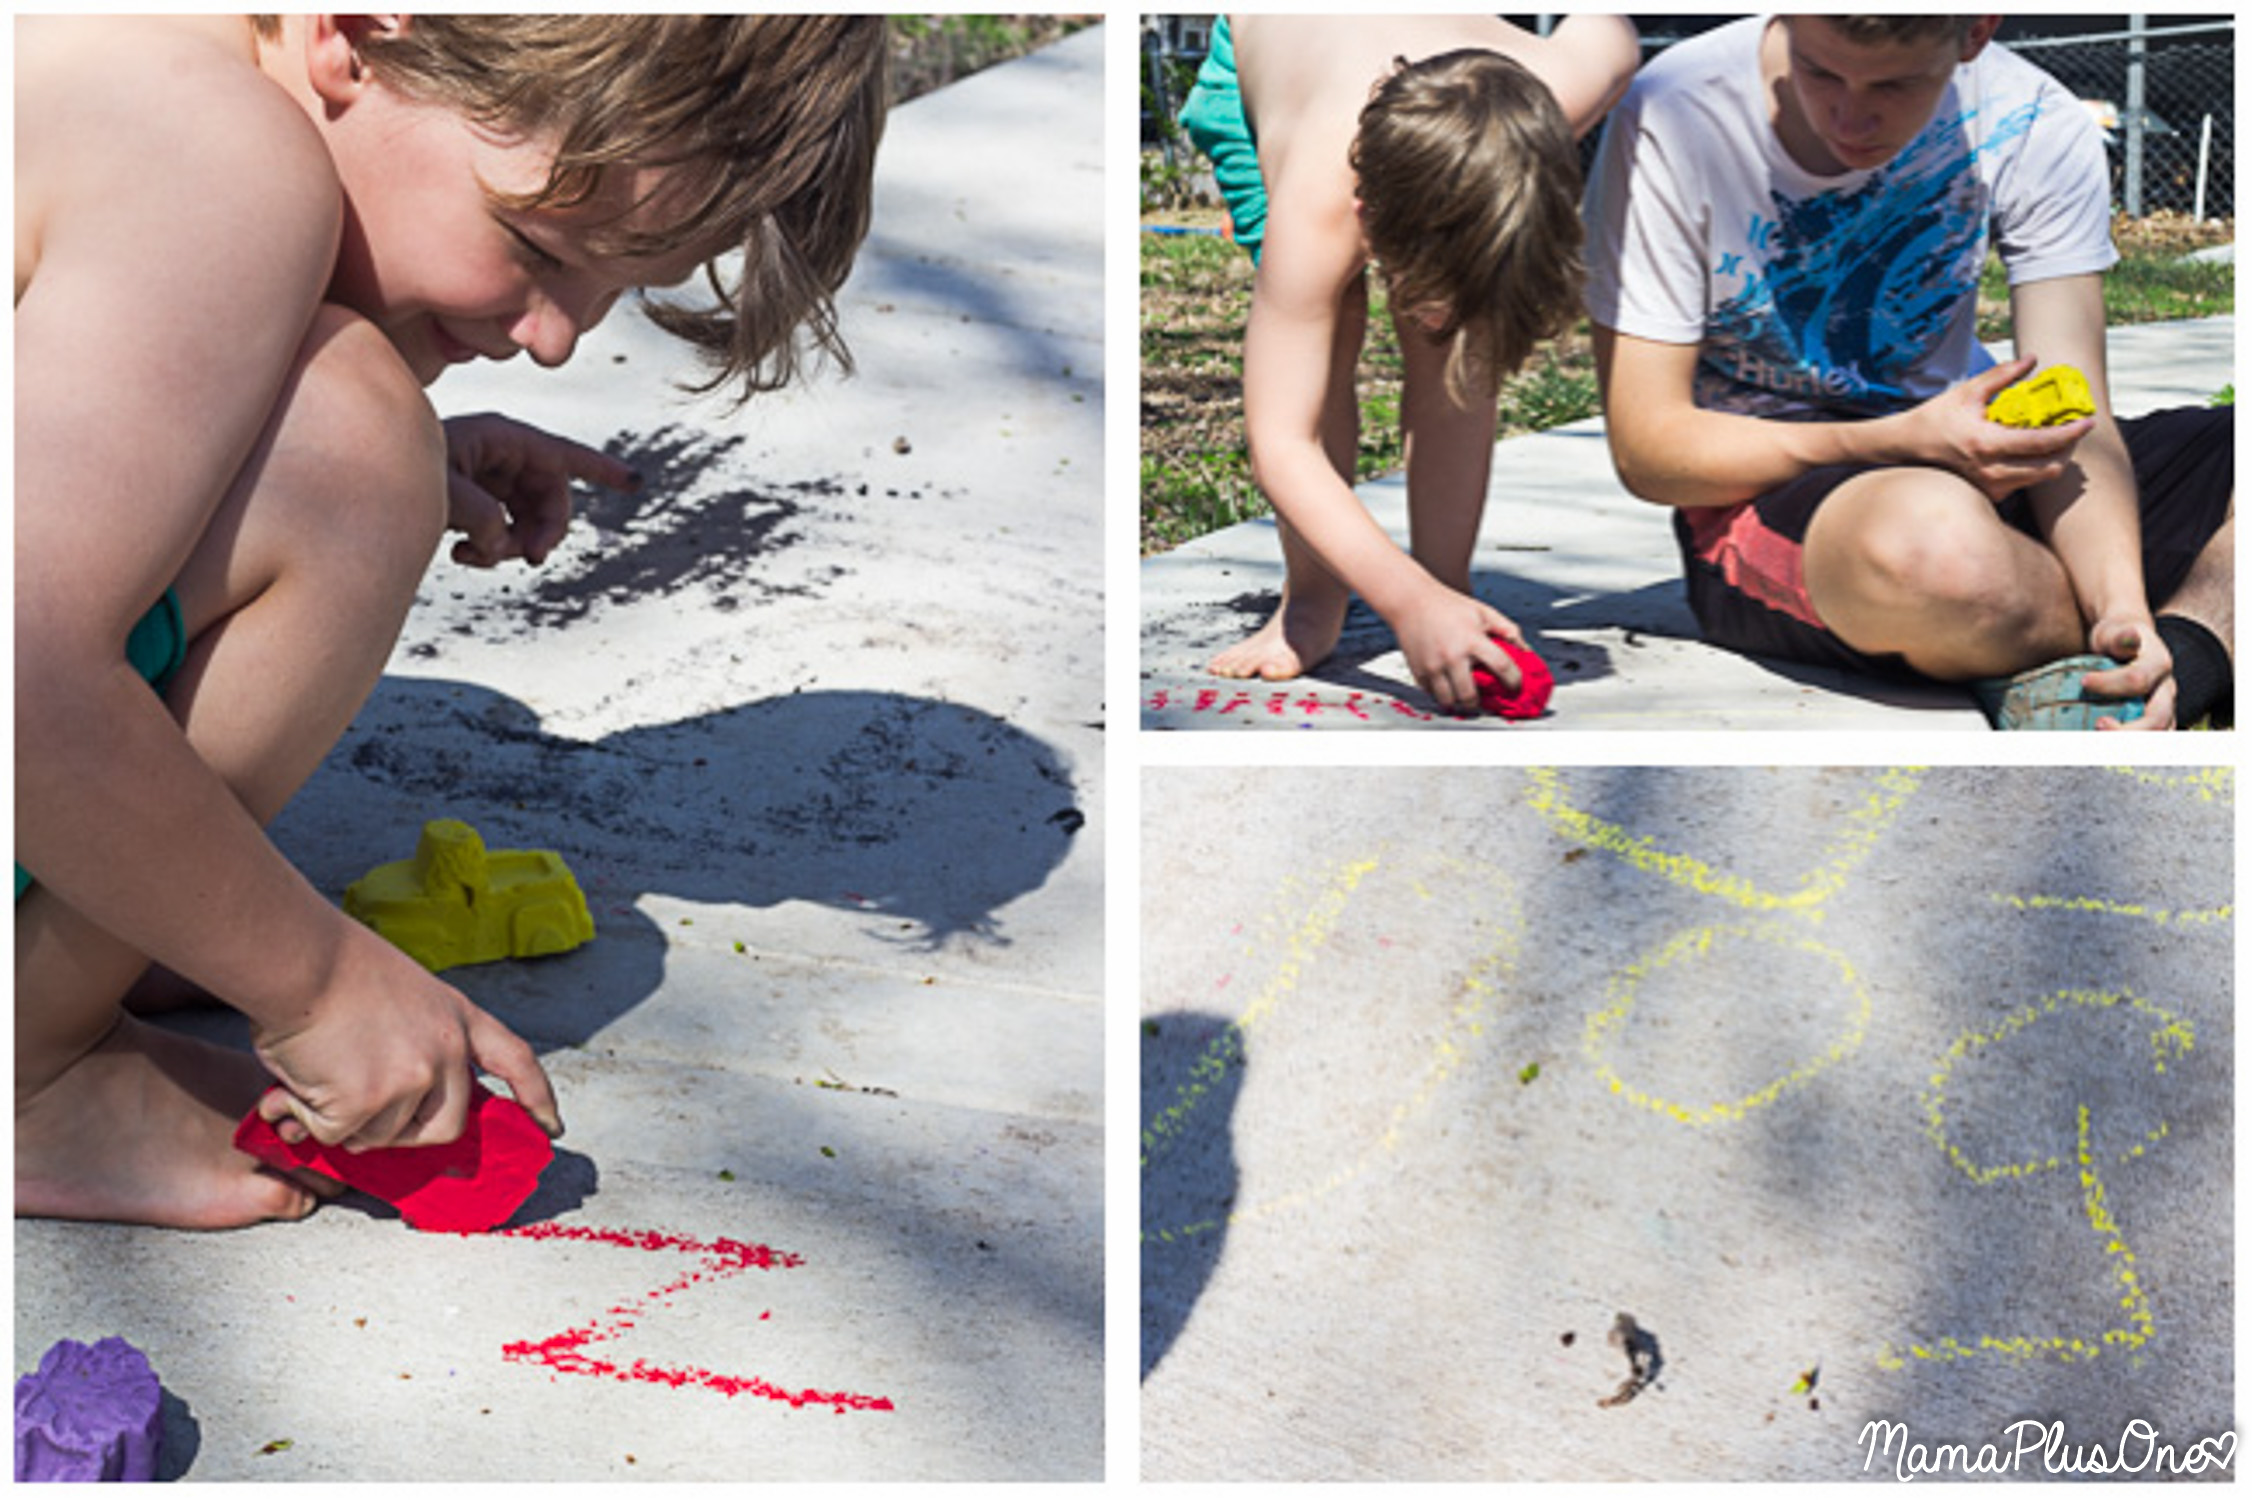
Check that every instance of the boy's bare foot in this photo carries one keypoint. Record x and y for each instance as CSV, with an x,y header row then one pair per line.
x,y
141,1131
1296,640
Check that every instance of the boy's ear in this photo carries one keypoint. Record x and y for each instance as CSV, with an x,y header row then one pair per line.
x,y
1981,32
333,59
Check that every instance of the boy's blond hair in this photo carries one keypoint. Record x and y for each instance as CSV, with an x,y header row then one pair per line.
x,y
1469,182
768,125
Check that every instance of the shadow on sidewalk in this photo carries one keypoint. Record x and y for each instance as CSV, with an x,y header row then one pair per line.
x,y
1192,1072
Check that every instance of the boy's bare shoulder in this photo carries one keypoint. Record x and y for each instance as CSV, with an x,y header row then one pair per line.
x,y
1306,78
1309,73
169,123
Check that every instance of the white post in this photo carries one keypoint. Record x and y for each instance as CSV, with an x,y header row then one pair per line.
x,y
2204,154
2135,123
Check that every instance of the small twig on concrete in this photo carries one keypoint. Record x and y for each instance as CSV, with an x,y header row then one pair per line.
x,y
1640,1347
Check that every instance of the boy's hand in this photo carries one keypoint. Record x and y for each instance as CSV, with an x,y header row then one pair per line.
x,y
1951,431
2146,670
1447,633
509,487
387,1063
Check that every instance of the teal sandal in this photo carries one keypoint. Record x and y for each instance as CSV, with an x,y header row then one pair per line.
x,y
2049,697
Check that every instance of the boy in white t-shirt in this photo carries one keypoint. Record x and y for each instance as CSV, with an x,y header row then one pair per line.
x,y
1786,228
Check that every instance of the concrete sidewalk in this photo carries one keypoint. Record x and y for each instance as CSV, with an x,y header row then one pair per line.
x,y
1593,577
817,720
1867,1094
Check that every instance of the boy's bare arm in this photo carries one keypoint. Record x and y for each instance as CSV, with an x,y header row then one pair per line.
x,y
1292,350
1670,451
1449,452
175,275
1449,443
2091,513
1587,63
1291,346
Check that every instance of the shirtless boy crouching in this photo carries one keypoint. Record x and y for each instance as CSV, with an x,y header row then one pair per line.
x,y
1440,149
241,251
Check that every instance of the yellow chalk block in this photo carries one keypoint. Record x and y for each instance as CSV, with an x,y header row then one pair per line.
x,y
457,903
2050,398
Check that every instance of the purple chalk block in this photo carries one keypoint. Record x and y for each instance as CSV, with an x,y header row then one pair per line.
x,y
88,1414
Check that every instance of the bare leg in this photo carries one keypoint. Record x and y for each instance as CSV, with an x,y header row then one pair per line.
x,y
1914,561
292,601
1303,630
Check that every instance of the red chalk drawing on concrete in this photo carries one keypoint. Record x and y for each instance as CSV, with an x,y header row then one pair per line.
x,y
1281,703
568,1352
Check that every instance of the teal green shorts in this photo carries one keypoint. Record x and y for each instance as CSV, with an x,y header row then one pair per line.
x,y
1213,118
157,646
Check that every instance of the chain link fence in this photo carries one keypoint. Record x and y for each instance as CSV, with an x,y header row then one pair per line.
x,y
2164,94
2166,97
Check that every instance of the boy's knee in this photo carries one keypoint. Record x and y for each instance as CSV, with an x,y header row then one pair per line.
x,y
1931,540
1918,558
359,421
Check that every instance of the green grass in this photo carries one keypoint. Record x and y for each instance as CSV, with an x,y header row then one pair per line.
x,y
1195,476
929,52
1200,493
2140,289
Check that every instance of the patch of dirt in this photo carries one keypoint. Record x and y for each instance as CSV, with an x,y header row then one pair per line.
x,y
680,530
697,527
2169,233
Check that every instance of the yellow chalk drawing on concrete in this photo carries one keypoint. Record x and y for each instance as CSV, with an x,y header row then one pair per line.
x,y
1225,1051
2171,1039
2159,915
1861,831
1785,920
1497,944
2206,783
1791,914
1549,796
2215,784
1698,944
2136,1326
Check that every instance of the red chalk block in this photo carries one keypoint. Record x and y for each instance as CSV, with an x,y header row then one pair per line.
x,y
463,1187
1531,696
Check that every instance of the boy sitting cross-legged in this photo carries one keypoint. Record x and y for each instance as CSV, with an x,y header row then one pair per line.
x,y
1787,226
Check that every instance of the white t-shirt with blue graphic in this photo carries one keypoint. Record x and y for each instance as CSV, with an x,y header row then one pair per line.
x,y
1842,296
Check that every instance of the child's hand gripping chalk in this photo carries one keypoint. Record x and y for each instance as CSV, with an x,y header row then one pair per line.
x,y
467,1186
1533,688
